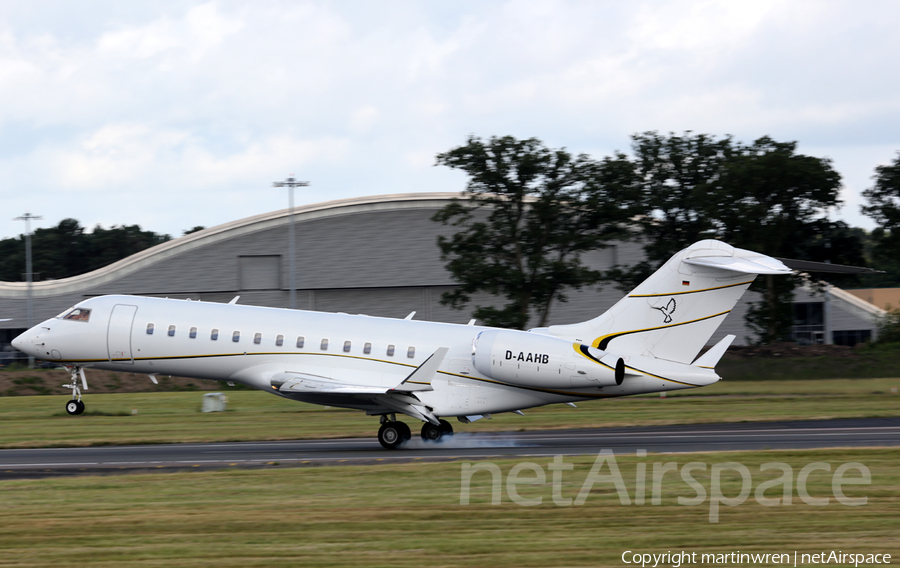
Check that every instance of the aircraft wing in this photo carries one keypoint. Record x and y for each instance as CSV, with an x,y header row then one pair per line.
x,y
400,398
417,381
299,383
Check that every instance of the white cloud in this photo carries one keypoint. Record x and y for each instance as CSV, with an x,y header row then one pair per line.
x,y
112,111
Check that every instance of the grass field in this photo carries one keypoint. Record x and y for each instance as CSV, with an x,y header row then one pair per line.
x,y
40,421
410,515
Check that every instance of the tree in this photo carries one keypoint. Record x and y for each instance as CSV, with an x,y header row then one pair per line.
x,y
761,196
774,201
883,205
68,250
530,214
676,173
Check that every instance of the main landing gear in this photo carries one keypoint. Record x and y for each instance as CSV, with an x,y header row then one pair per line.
x,y
393,432
432,433
75,406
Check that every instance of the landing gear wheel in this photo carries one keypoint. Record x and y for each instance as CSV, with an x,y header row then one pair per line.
x,y
74,407
390,435
80,407
431,433
407,433
446,428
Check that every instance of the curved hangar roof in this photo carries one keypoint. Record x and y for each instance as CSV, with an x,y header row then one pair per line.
x,y
376,241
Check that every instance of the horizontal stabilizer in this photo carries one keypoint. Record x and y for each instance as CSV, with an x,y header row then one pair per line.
x,y
711,358
747,264
810,266
420,378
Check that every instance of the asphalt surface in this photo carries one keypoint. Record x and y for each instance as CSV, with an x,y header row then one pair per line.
x,y
51,462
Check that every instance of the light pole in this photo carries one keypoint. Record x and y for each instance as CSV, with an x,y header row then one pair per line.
x,y
291,183
27,217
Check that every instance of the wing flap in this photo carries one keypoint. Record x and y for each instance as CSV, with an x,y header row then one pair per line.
x,y
298,383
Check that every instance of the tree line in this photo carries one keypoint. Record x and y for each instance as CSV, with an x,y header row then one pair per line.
x,y
532,212
68,249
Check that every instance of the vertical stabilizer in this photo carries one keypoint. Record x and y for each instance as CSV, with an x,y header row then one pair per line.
x,y
673,313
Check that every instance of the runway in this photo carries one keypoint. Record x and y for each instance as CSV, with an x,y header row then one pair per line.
x,y
49,462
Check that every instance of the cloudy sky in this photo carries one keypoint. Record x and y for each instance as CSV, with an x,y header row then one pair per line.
x,y
172,114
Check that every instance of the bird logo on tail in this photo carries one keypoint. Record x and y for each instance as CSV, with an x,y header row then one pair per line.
x,y
667,310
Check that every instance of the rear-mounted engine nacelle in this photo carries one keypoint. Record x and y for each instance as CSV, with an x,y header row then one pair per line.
x,y
534,360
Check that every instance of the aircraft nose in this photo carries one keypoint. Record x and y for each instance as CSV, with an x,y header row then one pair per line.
x,y
24,342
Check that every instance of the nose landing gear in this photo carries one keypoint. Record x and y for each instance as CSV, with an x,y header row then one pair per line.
x,y
75,406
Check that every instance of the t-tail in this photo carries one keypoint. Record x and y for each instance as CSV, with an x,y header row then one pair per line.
x,y
673,314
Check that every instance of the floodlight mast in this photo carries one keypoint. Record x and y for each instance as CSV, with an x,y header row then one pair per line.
x,y
28,217
291,183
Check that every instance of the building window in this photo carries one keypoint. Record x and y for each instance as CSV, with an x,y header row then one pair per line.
x,y
390,350
851,337
346,347
150,327
411,352
367,348
257,338
300,342
324,345
193,333
809,323
214,334
279,340
171,331
236,336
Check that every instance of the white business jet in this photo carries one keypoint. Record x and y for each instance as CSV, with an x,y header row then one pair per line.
x,y
647,342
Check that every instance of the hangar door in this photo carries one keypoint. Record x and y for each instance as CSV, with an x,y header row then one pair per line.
x,y
118,334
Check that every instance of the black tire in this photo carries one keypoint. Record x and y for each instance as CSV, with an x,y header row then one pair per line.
x,y
390,435
446,428
407,433
80,407
431,433
73,407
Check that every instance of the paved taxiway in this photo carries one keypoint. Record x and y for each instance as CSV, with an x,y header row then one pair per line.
x,y
875,432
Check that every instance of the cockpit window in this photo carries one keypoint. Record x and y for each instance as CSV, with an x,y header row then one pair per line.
x,y
78,314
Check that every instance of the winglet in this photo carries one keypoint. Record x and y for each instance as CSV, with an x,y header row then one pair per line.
x,y
711,358
420,378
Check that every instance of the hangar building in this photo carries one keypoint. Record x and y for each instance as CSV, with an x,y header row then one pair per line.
x,y
372,255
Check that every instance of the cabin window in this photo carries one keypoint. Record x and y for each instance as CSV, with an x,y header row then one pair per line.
x,y
324,345
367,348
411,352
279,341
171,331
346,347
236,336
300,342
214,335
193,333
257,338
150,327
390,350
78,314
